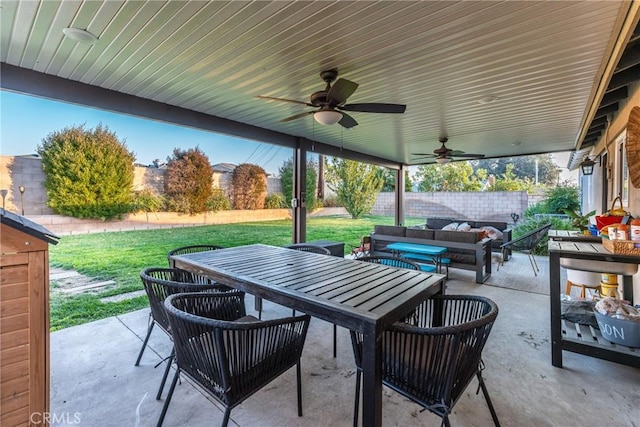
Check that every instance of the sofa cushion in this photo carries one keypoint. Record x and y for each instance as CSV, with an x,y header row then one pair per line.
x,y
497,224
390,230
457,236
416,233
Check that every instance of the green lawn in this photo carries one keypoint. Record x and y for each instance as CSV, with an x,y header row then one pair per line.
x,y
121,256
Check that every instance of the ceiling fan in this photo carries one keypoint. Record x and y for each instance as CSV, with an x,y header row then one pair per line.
x,y
331,103
444,155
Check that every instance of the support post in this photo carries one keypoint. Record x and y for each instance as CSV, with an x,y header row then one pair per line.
x,y
299,208
400,195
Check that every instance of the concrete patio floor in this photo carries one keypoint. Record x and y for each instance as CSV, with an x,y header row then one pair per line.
x,y
94,381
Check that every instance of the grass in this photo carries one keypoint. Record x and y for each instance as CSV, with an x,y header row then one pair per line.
x,y
121,256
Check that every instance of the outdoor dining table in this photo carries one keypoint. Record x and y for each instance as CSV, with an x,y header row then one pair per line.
x,y
360,296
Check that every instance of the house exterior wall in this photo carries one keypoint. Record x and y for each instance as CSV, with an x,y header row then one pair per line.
x,y
592,186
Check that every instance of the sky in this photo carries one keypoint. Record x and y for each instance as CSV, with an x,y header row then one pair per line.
x,y
26,120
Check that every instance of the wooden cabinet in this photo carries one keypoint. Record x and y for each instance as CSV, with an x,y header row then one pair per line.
x,y
24,321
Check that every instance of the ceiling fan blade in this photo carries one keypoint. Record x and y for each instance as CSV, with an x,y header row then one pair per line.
x,y
478,156
297,116
341,90
347,121
374,108
423,154
271,98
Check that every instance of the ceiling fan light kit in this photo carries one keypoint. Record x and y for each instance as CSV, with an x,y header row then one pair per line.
x,y
442,160
80,36
327,117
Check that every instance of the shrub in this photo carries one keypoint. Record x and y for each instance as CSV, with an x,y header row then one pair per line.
x,y
522,228
147,201
560,198
218,201
248,186
538,208
188,182
88,172
275,201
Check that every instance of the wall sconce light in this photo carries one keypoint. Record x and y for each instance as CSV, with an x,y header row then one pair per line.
x,y
21,189
587,166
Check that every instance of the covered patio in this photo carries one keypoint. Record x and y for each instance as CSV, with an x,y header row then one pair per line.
x,y
94,378
498,79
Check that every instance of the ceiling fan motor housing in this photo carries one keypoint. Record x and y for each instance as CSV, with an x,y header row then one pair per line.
x,y
319,98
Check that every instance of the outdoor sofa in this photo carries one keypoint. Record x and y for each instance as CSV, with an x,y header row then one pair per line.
x,y
465,250
496,241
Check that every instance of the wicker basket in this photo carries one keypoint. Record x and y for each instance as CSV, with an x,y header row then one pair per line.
x,y
622,247
633,146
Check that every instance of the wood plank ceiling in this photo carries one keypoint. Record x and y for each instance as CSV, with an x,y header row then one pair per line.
x,y
497,78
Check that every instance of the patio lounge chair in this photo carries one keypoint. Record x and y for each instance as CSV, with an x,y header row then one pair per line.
x,y
525,244
229,355
160,283
433,354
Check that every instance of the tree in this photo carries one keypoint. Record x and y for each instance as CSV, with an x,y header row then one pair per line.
x,y
189,180
286,178
523,167
389,176
248,187
356,184
508,181
88,172
455,176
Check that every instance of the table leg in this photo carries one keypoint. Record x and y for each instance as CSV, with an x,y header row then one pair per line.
x,y
554,299
627,288
371,376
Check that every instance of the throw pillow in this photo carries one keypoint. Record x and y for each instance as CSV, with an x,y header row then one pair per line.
x,y
451,227
464,227
492,232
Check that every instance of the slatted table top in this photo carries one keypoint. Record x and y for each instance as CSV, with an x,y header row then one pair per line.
x,y
345,292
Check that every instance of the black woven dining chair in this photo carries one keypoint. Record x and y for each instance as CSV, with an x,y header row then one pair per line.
x,y
160,283
390,261
228,354
433,354
307,247
189,250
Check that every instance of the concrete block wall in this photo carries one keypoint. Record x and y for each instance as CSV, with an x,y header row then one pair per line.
x,y
23,171
64,225
27,171
488,206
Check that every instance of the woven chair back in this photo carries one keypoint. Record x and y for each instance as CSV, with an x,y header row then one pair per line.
x,y
190,250
159,283
431,356
228,358
309,248
391,261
